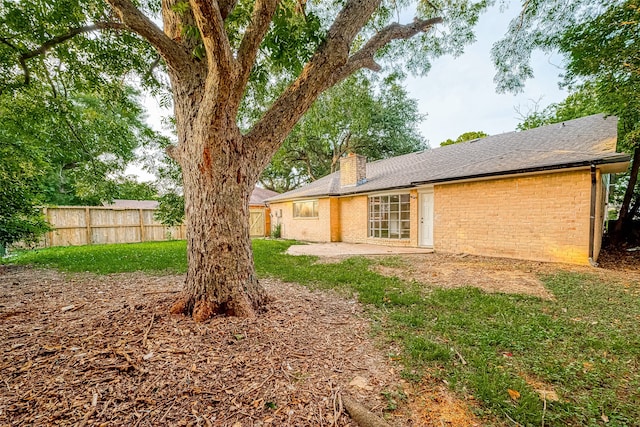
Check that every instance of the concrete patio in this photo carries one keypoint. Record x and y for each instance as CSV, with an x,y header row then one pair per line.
x,y
337,249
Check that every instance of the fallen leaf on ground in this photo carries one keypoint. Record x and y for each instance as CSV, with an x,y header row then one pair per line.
x,y
515,395
548,395
360,382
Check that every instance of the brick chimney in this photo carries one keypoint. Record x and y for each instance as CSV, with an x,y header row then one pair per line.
x,y
353,170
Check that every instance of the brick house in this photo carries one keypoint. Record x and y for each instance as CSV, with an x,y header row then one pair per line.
x,y
539,194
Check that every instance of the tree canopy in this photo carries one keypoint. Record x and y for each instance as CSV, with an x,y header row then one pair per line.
x,y
242,73
599,40
580,103
377,121
467,136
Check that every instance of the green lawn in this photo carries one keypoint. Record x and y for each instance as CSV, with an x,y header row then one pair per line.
x,y
584,345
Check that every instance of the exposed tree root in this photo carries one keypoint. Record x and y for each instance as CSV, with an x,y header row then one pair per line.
x,y
181,306
362,415
202,309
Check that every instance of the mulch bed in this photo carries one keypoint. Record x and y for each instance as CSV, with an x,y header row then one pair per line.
x,y
103,350
620,258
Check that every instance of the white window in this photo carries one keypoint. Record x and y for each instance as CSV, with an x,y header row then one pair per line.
x,y
305,209
389,216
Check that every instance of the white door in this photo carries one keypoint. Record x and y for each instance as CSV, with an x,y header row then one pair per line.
x,y
426,219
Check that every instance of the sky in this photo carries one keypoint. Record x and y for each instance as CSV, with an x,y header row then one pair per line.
x,y
458,94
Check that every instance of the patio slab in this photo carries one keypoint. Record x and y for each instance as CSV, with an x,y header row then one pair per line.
x,y
339,249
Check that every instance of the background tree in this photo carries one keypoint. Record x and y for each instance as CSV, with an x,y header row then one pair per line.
x,y
600,42
354,116
583,102
219,56
65,148
20,195
580,103
467,136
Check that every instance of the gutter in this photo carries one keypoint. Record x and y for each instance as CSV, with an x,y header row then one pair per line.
x,y
592,218
621,157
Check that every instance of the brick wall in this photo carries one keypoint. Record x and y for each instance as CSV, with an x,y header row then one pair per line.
x,y
336,228
540,217
354,219
415,213
306,229
353,170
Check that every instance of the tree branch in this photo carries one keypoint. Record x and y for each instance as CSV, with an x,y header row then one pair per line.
x,y
364,58
226,7
216,43
49,44
263,12
21,60
173,54
350,21
327,68
54,41
152,67
316,76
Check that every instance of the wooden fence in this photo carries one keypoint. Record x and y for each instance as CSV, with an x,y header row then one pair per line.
x,y
88,225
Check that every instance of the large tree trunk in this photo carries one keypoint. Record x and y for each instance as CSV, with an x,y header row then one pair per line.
x,y
217,186
219,172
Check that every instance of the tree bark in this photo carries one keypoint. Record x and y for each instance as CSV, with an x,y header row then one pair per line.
x,y
626,215
218,181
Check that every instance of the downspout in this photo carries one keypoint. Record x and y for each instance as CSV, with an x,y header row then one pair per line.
x,y
592,219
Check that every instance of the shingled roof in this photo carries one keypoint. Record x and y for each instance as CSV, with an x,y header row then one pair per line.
x,y
581,142
259,195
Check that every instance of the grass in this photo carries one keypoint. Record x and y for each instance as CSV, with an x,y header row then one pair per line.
x,y
153,257
584,345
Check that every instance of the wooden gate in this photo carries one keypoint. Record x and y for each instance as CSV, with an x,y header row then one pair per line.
x,y
256,221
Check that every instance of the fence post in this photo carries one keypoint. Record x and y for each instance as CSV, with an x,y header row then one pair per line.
x,y
47,216
141,225
87,221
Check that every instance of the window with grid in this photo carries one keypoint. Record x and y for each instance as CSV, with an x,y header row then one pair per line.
x,y
389,216
305,209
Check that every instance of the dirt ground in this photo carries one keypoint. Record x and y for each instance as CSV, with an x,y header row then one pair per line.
x,y
103,350
500,274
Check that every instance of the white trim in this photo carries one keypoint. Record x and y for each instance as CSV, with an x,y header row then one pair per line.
x,y
425,189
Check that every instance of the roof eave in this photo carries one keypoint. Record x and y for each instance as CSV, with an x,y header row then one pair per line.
x,y
617,163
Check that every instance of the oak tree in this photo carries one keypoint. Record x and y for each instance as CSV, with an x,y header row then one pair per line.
x,y
219,56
